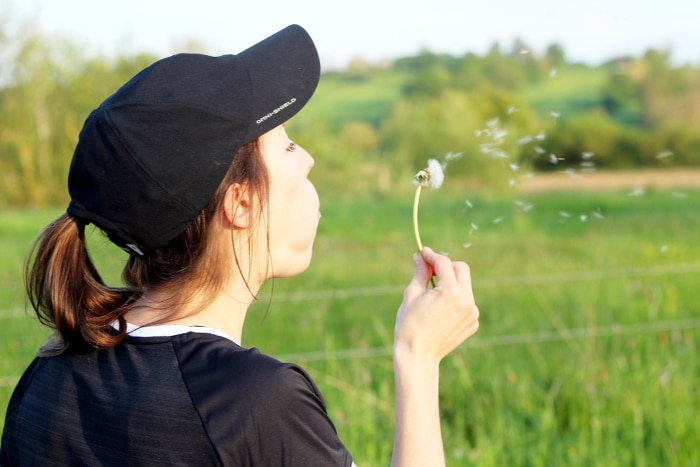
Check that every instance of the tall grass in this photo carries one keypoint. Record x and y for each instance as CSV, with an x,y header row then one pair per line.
x,y
587,349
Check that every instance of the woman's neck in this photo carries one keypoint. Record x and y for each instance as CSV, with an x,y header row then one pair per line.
x,y
225,311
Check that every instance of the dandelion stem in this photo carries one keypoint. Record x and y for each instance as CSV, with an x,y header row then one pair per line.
x,y
415,218
415,226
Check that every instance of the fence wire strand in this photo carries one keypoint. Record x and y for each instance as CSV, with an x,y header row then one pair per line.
x,y
477,341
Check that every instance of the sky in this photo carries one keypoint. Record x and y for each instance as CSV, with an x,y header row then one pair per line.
x,y
590,31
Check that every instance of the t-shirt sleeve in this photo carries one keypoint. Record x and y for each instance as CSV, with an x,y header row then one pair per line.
x,y
259,411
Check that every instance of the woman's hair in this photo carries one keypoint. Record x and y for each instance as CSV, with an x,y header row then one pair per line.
x,y
68,294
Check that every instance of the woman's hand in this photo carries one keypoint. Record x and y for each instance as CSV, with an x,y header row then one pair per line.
x,y
432,322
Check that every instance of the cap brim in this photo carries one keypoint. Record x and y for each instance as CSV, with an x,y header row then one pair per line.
x,y
284,70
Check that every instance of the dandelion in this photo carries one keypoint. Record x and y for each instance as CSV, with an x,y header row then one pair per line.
x,y
664,154
432,177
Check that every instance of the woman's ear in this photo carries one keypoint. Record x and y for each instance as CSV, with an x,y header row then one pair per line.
x,y
236,207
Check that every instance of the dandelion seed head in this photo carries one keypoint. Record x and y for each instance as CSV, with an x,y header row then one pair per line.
x,y
432,176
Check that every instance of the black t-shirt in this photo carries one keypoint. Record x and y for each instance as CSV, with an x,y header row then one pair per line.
x,y
187,399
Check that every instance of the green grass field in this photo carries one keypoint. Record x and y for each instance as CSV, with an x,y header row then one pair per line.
x,y
587,352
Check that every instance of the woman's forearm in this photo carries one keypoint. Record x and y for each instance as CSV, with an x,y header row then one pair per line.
x,y
418,437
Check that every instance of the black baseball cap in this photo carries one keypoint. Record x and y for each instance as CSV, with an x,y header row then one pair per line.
x,y
151,156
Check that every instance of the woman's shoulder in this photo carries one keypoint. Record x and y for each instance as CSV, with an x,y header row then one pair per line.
x,y
205,357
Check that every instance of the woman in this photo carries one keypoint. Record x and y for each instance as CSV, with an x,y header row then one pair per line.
x,y
188,168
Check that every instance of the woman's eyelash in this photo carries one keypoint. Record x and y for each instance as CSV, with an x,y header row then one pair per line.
x,y
292,147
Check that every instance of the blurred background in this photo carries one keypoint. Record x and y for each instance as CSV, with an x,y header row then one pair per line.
x,y
570,136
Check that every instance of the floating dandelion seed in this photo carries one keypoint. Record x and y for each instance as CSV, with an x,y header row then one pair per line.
x,y
523,205
583,217
474,226
679,194
637,192
514,167
467,245
539,150
597,215
664,154
587,155
571,173
663,249
552,72
554,114
524,140
497,220
540,136
469,204
564,214
511,182
511,109
553,159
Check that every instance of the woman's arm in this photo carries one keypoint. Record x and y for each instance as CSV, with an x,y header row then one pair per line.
x,y
430,324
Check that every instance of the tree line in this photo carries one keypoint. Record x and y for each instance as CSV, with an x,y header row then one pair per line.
x,y
646,113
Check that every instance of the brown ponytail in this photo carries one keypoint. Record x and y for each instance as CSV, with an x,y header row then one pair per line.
x,y
69,296
67,292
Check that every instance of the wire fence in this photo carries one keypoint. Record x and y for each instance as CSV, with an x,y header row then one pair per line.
x,y
477,341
